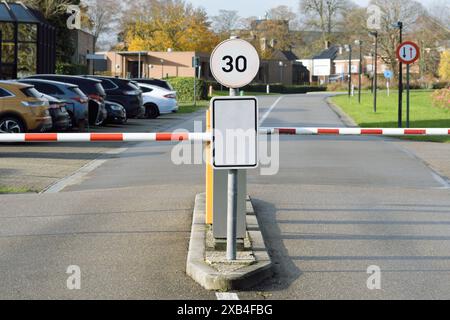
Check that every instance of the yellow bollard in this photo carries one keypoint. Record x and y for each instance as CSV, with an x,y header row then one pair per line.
x,y
209,176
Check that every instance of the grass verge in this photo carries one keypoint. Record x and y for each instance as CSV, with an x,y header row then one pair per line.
x,y
188,107
7,190
422,115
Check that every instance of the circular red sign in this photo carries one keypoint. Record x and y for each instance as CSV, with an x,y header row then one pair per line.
x,y
408,52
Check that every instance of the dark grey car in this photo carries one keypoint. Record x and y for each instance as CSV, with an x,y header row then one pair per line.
x,y
76,100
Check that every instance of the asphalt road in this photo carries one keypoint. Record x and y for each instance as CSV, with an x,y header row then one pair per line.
x,y
337,206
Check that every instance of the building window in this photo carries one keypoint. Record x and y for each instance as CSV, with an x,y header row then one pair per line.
x,y
26,59
27,32
20,44
7,31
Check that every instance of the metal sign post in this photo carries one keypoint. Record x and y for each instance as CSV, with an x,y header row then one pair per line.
x,y
234,64
232,203
407,95
234,146
195,65
408,52
388,74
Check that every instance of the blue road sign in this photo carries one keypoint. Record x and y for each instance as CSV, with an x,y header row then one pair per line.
x,y
388,74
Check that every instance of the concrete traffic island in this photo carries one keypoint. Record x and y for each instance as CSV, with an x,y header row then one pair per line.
x,y
206,260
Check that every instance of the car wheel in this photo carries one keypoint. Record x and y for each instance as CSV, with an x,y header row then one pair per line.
x,y
151,111
11,125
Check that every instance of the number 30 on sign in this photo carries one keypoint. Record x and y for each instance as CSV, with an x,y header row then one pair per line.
x,y
234,63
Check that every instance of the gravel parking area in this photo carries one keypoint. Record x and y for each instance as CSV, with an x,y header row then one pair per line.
x,y
34,167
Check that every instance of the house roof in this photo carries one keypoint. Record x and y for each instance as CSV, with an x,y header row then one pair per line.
x,y
330,53
284,55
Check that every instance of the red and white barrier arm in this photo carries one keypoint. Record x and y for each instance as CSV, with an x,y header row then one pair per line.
x,y
104,137
206,136
357,131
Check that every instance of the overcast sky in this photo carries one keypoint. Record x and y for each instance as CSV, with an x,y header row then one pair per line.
x,y
258,8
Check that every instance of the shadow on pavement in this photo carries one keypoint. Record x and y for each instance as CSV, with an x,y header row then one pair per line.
x,y
284,269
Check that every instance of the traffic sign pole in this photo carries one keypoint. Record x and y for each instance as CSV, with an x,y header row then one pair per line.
x,y
232,205
407,52
407,94
234,64
375,74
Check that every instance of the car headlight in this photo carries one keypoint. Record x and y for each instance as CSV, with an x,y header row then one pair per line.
x,y
116,107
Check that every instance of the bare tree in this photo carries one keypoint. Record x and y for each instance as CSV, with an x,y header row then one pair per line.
x,y
440,9
282,13
103,14
393,11
324,15
226,21
49,8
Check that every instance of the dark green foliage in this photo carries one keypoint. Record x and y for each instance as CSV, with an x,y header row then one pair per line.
x,y
184,86
71,69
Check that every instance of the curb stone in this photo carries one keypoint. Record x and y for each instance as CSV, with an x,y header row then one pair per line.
x,y
210,278
345,118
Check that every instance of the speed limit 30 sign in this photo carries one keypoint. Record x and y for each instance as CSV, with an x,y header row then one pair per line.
x,y
234,63
408,52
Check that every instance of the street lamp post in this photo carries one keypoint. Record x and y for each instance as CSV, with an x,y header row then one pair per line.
x,y
375,74
371,70
162,68
399,25
359,42
348,47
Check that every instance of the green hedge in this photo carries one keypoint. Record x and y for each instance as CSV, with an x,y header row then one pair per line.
x,y
71,69
184,87
274,88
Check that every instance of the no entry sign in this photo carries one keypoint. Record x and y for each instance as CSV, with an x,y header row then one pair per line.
x,y
408,52
234,63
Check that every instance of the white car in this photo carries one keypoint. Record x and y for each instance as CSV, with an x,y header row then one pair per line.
x,y
157,100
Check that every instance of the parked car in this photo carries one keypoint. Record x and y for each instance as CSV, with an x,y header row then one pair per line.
x,y
155,82
22,109
123,92
77,103
158,100
91,87
116,113
60,117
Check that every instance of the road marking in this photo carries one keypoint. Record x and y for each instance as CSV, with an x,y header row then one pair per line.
x,y
445,184
226,296
264,117
78,175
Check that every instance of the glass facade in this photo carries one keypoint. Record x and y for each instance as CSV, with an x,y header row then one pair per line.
x,y
27,42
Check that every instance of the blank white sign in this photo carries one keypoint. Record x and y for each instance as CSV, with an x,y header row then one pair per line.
x,y
235,132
